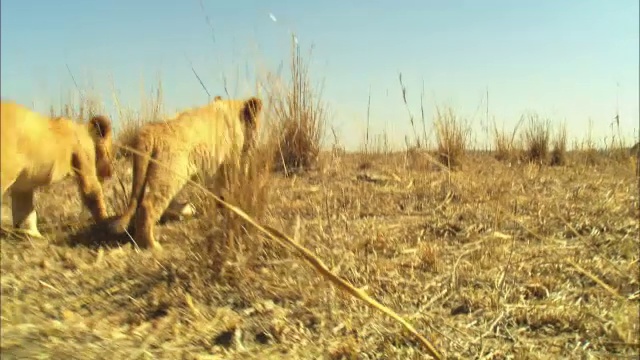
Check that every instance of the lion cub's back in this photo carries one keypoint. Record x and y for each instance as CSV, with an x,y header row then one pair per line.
x,y
209,126
38,146
23,134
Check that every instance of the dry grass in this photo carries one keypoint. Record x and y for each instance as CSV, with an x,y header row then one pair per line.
x,y
587,147
299,117
493,261
452,136
246,184
81,109
536,138
616,149
151,109
635,149
559,150
507,147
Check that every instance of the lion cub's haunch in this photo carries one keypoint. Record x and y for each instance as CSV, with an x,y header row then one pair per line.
x,y
213,134
38,150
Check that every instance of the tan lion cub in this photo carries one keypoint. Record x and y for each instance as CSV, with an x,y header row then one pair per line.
x,y
38,150
216,132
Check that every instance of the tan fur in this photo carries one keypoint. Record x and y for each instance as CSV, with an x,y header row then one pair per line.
x,y
212,134
38,151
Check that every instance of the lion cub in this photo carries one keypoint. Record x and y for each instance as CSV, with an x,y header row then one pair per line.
x,y
38,150
169,153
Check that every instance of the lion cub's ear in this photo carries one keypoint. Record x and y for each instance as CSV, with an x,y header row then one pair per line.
x,y
251,110
101,126
217,98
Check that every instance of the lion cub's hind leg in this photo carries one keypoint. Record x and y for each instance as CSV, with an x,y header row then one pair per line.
x,y
7,180
141,162
23,211
162,186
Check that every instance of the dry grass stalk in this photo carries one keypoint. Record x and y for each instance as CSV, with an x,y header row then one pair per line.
x,y
595,279
421,140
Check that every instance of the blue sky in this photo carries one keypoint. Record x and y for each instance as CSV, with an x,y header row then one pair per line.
x,y
561,59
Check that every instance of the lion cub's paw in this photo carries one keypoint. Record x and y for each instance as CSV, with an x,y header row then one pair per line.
x,y
156,249
30,233
117,226
178,212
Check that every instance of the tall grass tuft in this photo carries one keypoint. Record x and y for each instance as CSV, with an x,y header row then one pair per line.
x,y
245,184
559,147
506,146
537,135
300,117
452,136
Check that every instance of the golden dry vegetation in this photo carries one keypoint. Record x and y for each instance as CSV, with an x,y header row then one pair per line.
x,y
492,260
504,257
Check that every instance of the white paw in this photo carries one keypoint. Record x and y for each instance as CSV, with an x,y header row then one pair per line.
x,y
32,233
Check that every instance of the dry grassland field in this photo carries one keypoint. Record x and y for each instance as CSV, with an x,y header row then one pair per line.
x,y
528,251
490,261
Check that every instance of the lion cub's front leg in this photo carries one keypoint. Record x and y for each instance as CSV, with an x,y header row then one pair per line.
x,y
23,211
